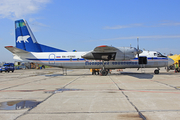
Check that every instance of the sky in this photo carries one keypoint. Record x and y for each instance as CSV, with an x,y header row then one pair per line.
x,y
83,25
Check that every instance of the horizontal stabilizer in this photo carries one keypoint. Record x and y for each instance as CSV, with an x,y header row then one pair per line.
x,y
15,50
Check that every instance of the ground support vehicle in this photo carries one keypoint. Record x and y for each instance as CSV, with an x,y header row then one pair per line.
x,y
7,67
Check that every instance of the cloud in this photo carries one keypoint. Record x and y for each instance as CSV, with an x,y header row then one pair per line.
x,y
160,36
123,26
168,50
35,25
164,23
14,9
170,24
154,37
34,22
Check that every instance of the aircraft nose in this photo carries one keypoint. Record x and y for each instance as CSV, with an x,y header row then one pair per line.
x,y
170,61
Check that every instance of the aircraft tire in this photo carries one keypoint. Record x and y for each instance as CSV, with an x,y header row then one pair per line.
x,y
156,71
104,72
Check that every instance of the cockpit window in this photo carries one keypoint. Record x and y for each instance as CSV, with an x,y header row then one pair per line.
x,y
160,55
155,54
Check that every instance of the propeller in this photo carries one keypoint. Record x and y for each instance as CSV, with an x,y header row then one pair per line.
x,y
138,47
139,51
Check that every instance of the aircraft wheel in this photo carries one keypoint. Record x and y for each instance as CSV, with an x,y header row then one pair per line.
x,y
104,72
156,71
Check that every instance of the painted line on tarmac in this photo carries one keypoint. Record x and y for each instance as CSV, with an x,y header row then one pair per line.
x,y
127,97
87,90
27,112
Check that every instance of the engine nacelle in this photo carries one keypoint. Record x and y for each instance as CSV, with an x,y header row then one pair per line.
x,y
99,56
127,53
122,53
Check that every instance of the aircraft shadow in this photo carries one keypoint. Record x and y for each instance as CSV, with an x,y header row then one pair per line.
x,y
54,75
138,75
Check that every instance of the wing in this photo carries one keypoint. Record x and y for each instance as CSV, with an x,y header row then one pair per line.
x,y
103,52
107,53
105,48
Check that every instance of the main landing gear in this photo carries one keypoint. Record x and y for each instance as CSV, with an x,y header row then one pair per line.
x,y
104,72
156,71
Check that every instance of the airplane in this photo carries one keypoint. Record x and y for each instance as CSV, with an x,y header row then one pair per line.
x,y
102,57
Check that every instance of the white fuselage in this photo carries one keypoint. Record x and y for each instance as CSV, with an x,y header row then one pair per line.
x,y
73,60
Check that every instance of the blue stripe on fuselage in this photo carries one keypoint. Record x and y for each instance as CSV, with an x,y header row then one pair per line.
x,y
154,58
81,59
74,59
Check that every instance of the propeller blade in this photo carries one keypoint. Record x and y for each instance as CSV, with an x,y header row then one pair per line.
x,y
138,43
138,48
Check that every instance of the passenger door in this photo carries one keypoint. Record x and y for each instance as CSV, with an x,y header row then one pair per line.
x,y
52,59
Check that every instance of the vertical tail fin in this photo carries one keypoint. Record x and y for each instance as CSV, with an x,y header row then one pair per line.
x,y
25,39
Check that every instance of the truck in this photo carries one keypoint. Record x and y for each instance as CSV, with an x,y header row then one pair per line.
x,y
7,67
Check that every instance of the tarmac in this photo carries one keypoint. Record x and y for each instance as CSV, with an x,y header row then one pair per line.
x,y
47,94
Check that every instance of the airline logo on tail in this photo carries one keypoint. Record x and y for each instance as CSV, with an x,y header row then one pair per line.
x,y
23,38
20,24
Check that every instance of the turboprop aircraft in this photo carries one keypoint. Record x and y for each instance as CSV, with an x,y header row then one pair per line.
x,y
102,57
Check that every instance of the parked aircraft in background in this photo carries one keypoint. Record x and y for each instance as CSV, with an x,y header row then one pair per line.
x,y
104,57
